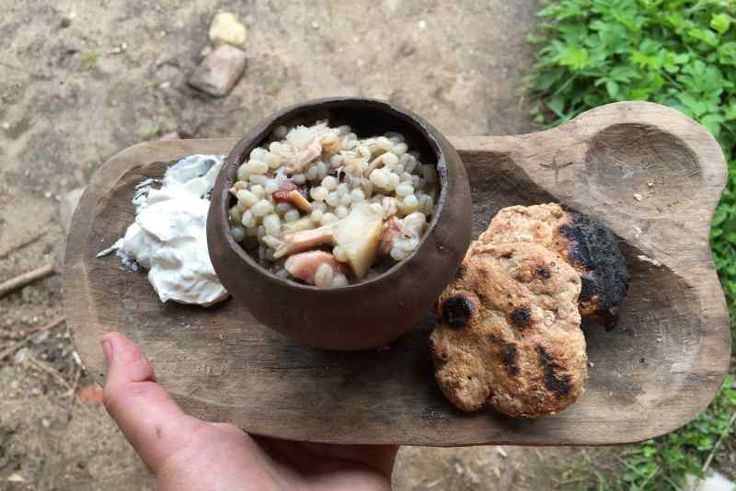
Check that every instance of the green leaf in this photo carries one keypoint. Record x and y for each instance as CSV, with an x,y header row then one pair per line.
x,y
557,106
720,22
573,56
730,113
704,35
712,122
691,105
727,53
682,58
613,90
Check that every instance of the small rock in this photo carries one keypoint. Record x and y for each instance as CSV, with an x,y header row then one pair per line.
x,y
422,24
15,477
650,184
226,29
6,125
637,196
219,71
20,356
67,206
45,423
65,22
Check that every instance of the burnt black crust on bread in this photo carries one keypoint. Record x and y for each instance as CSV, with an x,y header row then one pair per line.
x,y
457,311
521,316
594,248
560,385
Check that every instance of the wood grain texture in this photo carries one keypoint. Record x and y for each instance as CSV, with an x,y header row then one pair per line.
x,y
652,374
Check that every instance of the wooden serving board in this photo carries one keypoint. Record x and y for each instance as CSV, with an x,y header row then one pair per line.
x,y
648,172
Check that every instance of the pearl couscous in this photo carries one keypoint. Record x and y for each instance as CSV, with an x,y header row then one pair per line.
x,y
322,206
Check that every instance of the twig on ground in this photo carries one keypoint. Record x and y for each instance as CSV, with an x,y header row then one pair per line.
x,y
723,434
51,325
50,370
26,278
29,335
22,244
75,385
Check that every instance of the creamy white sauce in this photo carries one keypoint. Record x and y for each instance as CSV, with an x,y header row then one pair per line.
x,y
168,237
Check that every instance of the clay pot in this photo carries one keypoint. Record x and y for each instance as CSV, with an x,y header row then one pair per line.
x,y
374,312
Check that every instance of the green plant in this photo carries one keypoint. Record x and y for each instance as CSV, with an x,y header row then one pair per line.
x,y
681,53
669,458
90,59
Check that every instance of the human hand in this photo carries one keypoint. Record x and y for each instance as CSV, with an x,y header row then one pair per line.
x,y
185,453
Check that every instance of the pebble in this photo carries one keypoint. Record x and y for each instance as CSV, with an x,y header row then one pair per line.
x,y
225,29
45,423
637,196
15,477
219,71
20,356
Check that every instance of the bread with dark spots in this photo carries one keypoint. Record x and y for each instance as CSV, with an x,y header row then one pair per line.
x,y
585,243
509,337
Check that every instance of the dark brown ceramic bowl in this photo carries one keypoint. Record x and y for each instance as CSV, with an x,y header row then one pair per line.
x,y
367,314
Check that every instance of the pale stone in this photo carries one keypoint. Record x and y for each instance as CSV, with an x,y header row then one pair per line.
x,y
226,29
219,71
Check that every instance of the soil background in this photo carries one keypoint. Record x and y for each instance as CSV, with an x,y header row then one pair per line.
x,y
81,80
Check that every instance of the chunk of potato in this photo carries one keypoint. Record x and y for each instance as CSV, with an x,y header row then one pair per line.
x,y
359,234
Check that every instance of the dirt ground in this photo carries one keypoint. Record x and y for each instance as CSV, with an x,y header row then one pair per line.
x,y
80,80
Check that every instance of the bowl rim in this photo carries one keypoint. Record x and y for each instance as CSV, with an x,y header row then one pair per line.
x,y
263,129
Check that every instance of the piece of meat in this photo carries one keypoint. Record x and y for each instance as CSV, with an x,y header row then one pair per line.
x,y
390,232
305,240
584,242
300,159
304,265
286,186
509,337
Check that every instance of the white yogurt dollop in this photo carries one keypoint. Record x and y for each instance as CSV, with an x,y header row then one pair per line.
x,y
168,237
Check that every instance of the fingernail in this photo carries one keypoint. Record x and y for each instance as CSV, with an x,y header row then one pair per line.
x,y
107,350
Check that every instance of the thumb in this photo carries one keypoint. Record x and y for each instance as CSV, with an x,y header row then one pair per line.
x,y
148,417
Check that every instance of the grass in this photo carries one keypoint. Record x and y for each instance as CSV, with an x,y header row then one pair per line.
x,y
681,53
90,59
